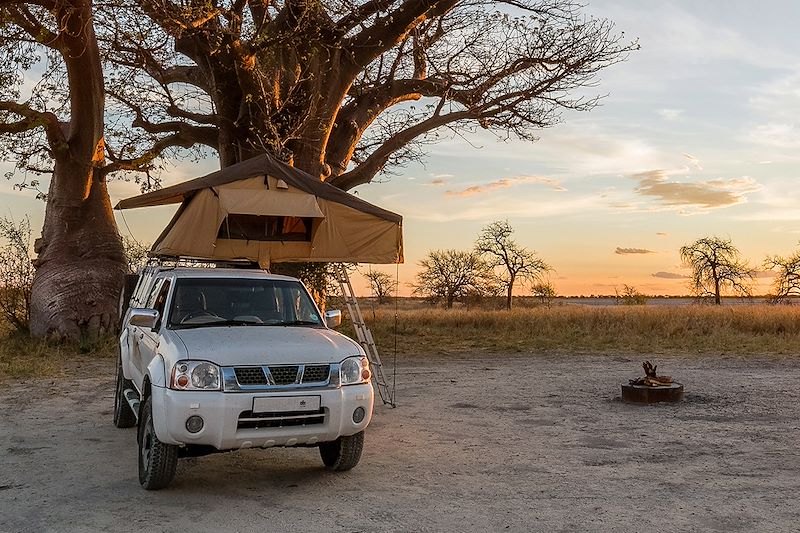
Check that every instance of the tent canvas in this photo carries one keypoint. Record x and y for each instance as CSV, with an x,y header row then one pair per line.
x,y
267,211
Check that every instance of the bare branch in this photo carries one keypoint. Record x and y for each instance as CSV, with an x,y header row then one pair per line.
x,y
34,119
391,29
364,172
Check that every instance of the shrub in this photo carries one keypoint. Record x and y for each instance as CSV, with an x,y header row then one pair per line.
x,y
16,272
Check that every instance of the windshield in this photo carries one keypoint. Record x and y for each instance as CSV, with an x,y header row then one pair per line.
x,y
202,302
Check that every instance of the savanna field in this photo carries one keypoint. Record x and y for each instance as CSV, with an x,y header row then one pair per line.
x,y
423,330
742,329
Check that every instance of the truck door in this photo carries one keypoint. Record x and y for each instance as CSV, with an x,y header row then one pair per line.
x,y
137,334
149,338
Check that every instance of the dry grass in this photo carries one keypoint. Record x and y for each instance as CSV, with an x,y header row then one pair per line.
x,y
741,330
22,357
689,329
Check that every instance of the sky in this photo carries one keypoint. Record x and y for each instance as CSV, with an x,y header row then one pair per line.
x,y
699,135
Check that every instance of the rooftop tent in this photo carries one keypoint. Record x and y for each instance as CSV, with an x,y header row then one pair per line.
x,y
267,211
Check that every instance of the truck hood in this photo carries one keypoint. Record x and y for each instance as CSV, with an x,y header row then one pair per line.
x,y
261,345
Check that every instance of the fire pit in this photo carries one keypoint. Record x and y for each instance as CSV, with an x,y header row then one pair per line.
x,y
652,388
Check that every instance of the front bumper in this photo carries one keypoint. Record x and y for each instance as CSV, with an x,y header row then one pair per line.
x,y
221,412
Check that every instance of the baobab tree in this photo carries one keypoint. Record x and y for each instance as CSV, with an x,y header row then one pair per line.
x,y
717,267
345,89
57,130
509,261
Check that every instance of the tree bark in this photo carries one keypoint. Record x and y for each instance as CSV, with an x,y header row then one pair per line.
x,y
80,266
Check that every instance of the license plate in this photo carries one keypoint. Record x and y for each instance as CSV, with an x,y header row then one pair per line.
x,y
276,404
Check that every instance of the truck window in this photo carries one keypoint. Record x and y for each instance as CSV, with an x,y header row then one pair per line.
x,y
238,301
160,303
151,298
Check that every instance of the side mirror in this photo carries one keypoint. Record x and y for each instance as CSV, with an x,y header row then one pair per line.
x,y
333,318
146,318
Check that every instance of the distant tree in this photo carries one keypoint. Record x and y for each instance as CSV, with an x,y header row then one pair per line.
x,y
319,278
135,253
450,274
544,291
717,267
16,272
509,261
631,296
787,281
381,284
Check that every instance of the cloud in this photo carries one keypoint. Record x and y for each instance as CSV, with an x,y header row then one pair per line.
x,y
632,251
709,194
490,207
669,275
662,233
693,161
505,183
437,181
670,114
775,134
776,103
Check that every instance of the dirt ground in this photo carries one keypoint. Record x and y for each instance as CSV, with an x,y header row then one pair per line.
x,y
478,443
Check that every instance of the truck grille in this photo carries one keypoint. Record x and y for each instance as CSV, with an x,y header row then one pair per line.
x,y
284,375
281,375
316,373
249,420
250,375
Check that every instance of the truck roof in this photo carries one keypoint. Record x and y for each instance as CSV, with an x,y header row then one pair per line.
x,y
247,273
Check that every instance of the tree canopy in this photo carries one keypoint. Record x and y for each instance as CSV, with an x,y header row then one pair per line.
x,y
345,89
509,261
450,275
787,279
717,267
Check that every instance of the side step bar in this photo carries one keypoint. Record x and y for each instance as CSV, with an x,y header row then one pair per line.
x,y
133,400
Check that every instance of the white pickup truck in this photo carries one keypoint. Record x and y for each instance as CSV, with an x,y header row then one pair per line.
x,y
216,359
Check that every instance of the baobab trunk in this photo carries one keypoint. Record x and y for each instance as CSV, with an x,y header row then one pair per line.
x,y
80,265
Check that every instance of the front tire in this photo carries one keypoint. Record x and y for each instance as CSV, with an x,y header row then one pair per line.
x,y
343,453
124,417
157,461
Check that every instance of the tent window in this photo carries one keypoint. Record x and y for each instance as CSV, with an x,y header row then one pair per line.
x,y
265,228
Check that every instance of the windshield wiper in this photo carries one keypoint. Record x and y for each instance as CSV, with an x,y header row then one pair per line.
x,y
297,323
217,323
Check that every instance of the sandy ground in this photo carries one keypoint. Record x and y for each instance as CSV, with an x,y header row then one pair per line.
x,y
480,443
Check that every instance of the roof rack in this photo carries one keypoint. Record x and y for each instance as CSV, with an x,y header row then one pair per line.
x,y
165,262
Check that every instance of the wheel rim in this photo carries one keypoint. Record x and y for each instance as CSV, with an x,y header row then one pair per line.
x,y
117,395
147,445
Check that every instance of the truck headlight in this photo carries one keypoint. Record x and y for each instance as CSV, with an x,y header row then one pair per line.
x,y
195,375
354,370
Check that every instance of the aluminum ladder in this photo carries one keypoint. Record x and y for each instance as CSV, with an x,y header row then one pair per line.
x,y
364,335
